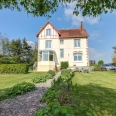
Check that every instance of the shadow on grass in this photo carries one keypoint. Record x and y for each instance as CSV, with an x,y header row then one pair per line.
x,y
93,100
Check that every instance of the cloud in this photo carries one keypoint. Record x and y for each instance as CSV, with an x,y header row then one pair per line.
x,y
95,55
68,12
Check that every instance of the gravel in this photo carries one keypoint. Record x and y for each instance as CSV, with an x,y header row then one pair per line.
x,y
28,104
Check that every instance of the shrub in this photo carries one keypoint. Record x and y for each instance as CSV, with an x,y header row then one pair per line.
x,y
55,109
64,65
20,89
39,79
51,72
97,67
100,62
14,68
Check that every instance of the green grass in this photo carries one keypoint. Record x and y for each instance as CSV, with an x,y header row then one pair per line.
x,y
9,80
95,94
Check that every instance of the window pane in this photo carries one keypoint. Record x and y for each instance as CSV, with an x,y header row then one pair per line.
x,y
48,31
50,57
76,43
78,57
48,44
45,57
61,53
61,41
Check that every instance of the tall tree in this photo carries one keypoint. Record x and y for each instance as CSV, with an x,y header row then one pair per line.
x,y
44,7
27,51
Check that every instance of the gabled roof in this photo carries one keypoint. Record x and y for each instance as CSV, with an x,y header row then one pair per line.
x,y
72,33
44,27
68,33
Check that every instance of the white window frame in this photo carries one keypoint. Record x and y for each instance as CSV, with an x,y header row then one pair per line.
x,y
48,32
77,55
49,44
78,43
61,56
61,41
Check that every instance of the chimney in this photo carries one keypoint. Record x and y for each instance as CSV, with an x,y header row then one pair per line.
x,y
82,26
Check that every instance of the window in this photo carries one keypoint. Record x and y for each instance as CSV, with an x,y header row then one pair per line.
x,y
61,53
61,41
76,43
45,55
48,32
78,57
48,44
51,56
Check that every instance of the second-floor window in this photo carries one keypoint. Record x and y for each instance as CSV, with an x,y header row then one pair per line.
x,y
48,44
62,53
77,43
61,41
48,32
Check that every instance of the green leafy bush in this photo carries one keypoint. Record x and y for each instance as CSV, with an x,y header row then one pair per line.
x,y
20,89
51,72
55,109
14,68
39,79
64,65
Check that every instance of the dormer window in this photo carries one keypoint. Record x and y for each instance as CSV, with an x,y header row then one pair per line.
x,y
48,32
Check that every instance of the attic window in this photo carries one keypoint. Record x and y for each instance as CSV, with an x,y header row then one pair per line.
x,y
48,32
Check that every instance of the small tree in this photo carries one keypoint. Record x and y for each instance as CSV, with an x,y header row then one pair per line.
x,y
114,55
100,62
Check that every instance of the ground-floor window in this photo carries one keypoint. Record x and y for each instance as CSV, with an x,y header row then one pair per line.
x,y
77,56
47,56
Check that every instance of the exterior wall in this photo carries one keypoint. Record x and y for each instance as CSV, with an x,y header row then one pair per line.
x,y
68,47
45,66
69,50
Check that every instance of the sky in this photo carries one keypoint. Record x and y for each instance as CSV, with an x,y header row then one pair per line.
x,y
101,29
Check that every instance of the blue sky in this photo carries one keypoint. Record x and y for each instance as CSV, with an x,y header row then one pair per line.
x,y
14,25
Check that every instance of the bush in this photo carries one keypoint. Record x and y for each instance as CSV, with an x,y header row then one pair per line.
x,y
64,65
100,62
51,72
39,79
55,109
14,68
97,67
20,89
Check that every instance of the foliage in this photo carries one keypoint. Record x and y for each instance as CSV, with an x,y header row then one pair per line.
x,y
114,56
100,62
43,78
51,72
64,65
18,89
45,7
55,109
13,68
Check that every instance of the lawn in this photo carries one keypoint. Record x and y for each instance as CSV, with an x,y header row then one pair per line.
x,y
95,94
8,80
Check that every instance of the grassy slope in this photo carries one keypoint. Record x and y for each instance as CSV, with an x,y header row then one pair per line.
x,y
95,94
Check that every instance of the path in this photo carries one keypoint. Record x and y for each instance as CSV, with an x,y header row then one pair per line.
x,y
28,104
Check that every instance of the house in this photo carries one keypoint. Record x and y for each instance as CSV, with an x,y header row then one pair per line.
x,y
55,46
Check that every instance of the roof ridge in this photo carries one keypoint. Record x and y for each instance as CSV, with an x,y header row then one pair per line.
x,y
68,29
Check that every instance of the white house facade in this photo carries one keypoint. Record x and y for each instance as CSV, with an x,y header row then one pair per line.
x,y
55,46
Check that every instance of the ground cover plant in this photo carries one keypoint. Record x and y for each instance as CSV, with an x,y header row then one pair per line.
x,y
40,79
18,89
9,80
87,94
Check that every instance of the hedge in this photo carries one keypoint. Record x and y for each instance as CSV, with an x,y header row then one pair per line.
x,y
13,68
64,65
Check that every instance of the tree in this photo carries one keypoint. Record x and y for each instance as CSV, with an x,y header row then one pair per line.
x,y
114,56
45,7
100,62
